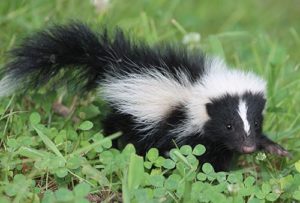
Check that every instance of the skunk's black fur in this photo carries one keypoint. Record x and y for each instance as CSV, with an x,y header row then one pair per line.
x,y
170,94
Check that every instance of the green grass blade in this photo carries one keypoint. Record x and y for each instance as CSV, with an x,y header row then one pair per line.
x,y
95,144
50,145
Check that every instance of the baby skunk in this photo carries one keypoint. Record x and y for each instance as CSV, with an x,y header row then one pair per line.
x,y
159,96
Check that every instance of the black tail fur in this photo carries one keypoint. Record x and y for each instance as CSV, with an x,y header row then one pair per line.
x,y
73,47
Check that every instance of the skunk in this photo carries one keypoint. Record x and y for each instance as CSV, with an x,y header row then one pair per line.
x,y
161,96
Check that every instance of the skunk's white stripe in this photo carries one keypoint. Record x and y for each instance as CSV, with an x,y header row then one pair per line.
x,y
149,96
243,114
220,80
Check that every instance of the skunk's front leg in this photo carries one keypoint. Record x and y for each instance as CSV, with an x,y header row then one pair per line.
x,y
268,145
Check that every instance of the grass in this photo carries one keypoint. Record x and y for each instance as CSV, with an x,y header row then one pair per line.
x,y
41,151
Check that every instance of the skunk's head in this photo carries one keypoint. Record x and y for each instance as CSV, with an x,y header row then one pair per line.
x,y
227,107
236,121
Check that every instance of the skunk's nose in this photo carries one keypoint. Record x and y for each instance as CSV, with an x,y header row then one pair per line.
x,y
248,149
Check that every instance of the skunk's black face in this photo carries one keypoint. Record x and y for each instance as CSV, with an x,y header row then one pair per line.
x,y
236,121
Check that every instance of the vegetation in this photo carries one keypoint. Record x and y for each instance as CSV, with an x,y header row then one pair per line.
x,y
45,157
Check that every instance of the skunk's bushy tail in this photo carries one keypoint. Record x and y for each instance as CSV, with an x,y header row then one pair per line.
x,y
70,54
73,54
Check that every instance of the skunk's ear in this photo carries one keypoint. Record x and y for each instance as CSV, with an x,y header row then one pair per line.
x,y
209,109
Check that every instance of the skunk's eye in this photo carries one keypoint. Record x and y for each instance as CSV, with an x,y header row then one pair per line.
x,y
228,126
256,124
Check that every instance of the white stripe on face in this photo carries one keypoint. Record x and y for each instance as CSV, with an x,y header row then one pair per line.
x,y
243,114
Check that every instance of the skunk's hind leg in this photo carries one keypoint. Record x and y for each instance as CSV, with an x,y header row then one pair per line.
x,y
124,123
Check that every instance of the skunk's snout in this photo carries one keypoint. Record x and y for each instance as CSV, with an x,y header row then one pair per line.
x,y
248,144
248,149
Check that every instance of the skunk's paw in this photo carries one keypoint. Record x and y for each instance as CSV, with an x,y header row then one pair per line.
x,y
277,150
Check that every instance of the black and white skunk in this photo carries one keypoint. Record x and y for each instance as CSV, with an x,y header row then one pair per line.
x,y
159,96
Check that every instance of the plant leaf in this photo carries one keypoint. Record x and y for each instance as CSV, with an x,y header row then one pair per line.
x,y
135,171
86,125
